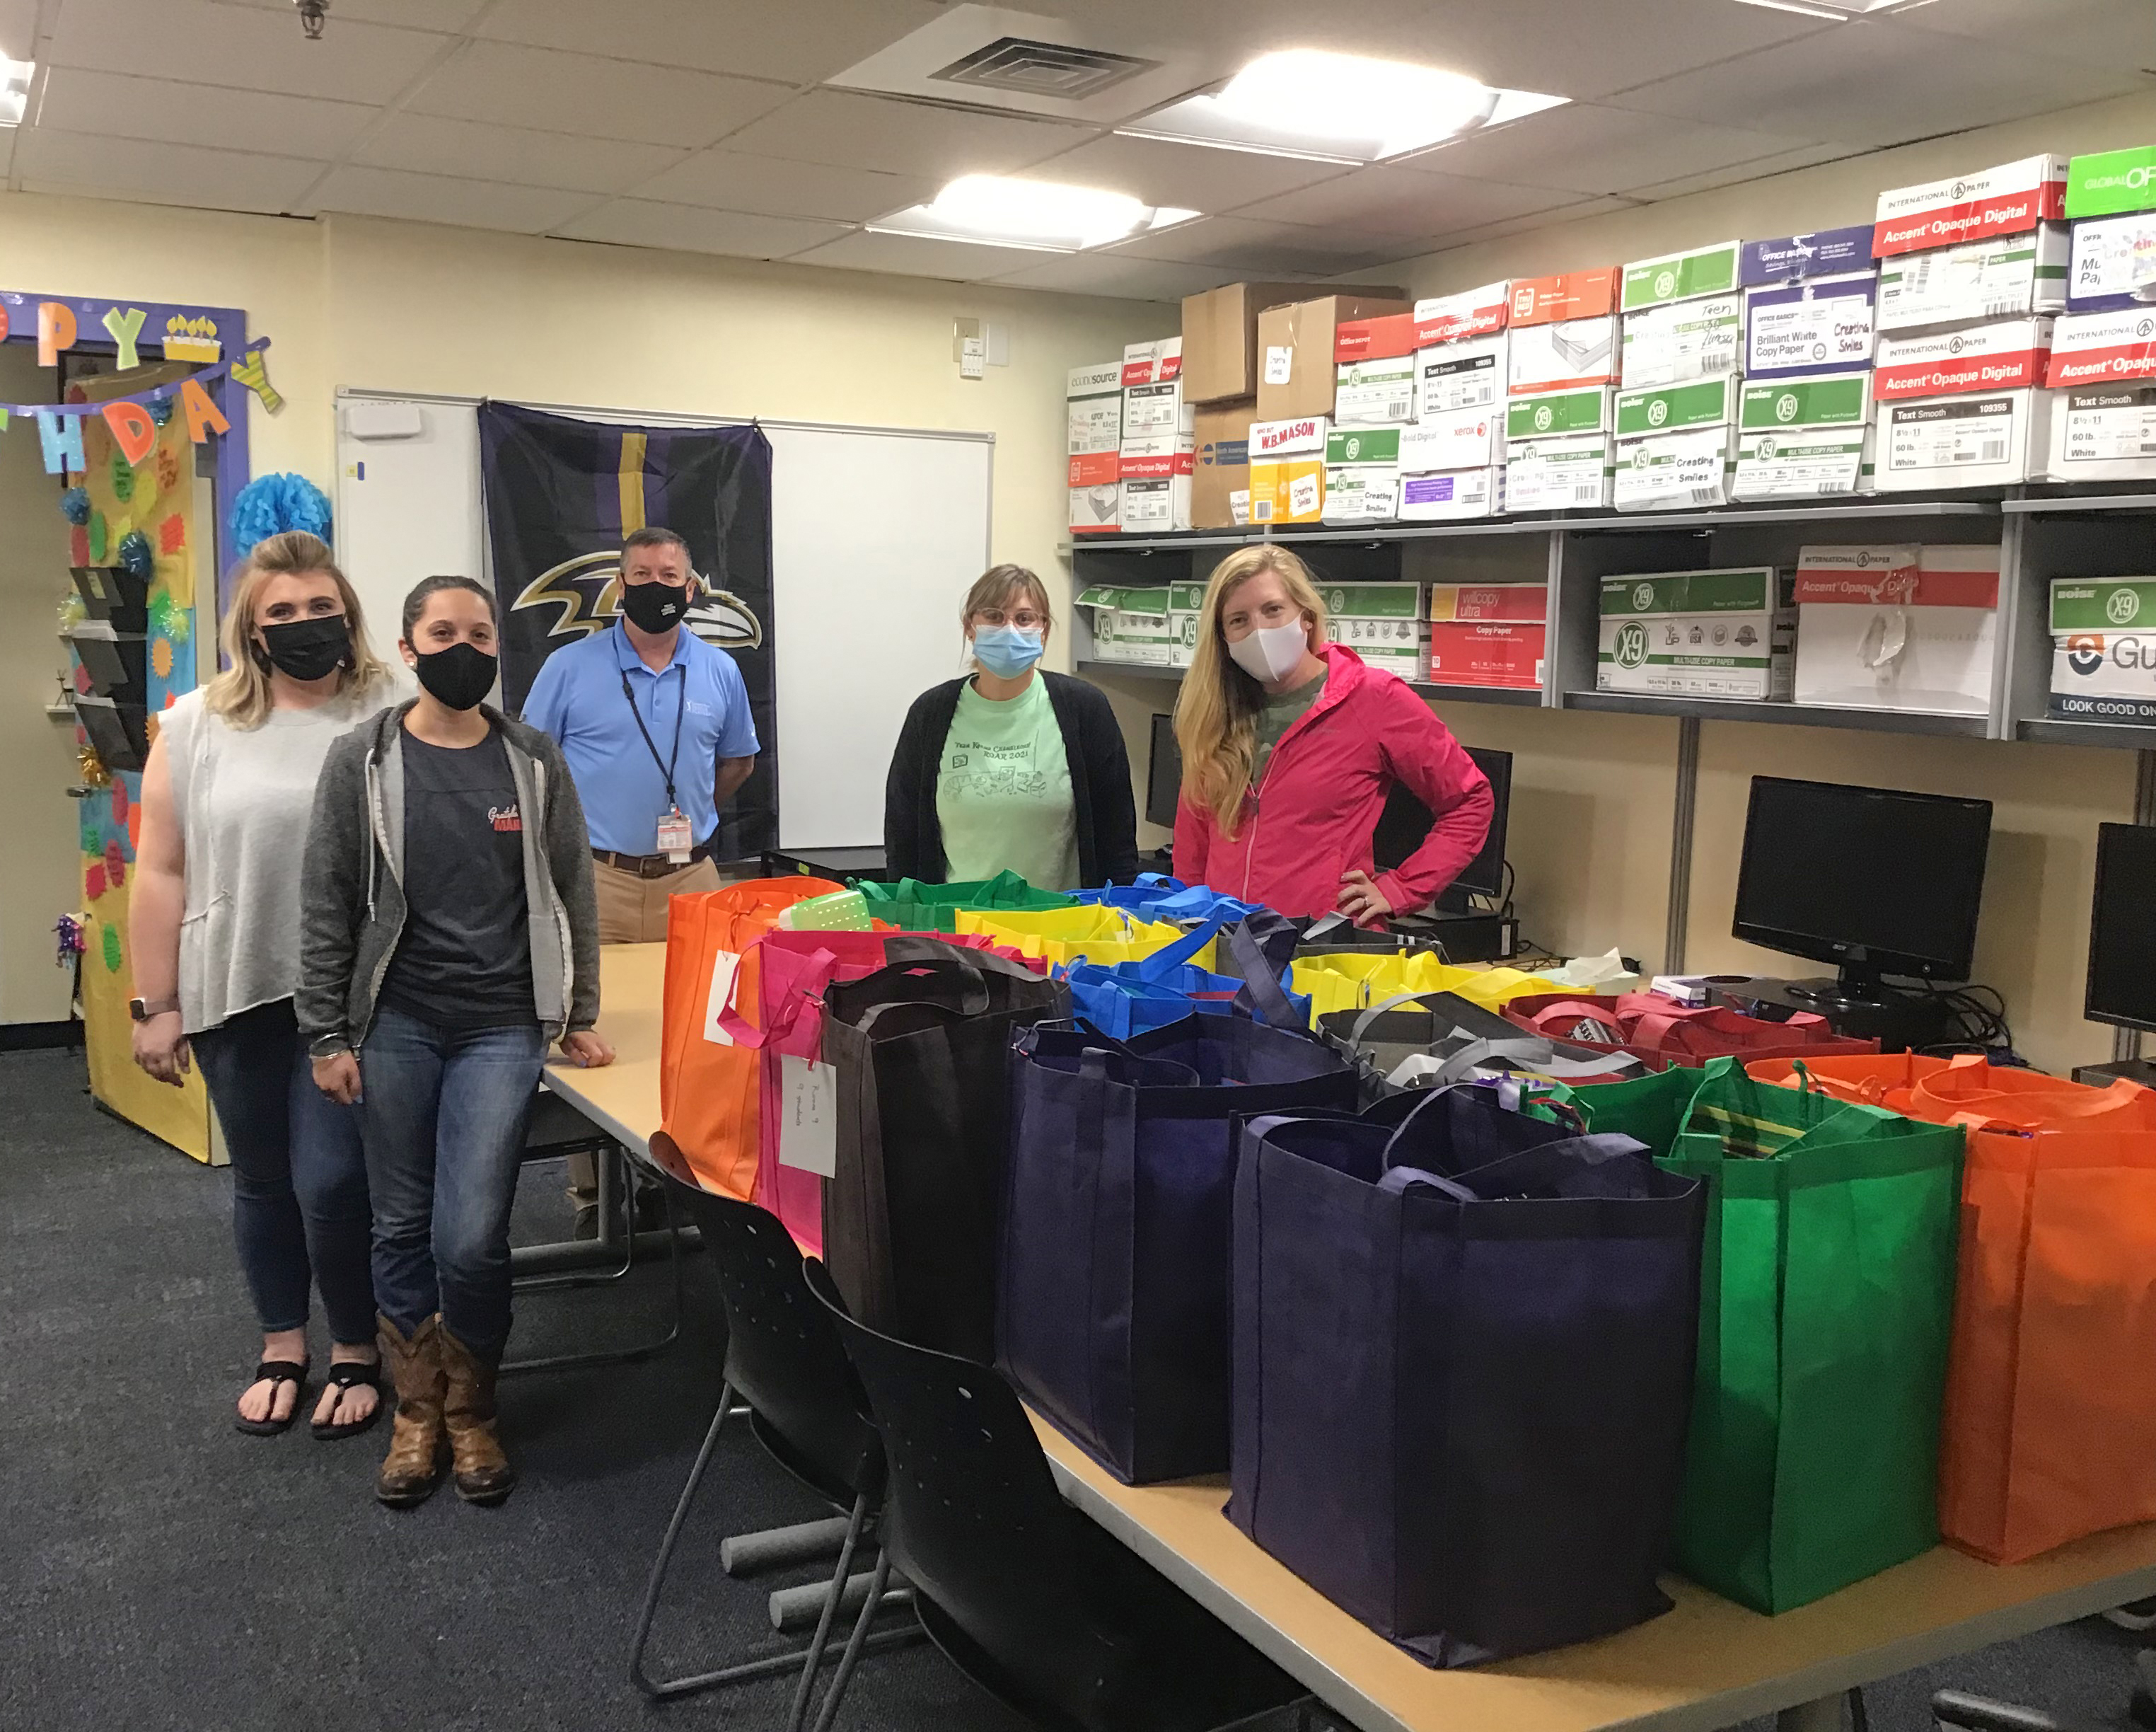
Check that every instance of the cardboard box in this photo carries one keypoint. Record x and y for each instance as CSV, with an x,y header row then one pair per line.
x,y
2104,648
2010,354
1727,633
1382,622
1559,474
1460,376
1558,414
1562,357
2103,405
1475,653
1220,333
1440,496
1296,342
2108,183
1094,409
1461,318
1374,372
1681,276
1676,472
2005,277
1488,603
2113,263
1362,474
1681,339
2010,199
1132,626
1797,258
1220,465
1826,325
1897,628
1804,438
1156,362
1465,438
1287,469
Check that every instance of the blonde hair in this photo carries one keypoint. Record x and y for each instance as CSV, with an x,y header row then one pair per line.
x,y
1216,715
240,692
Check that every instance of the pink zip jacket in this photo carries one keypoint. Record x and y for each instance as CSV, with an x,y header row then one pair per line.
x,y
1315,809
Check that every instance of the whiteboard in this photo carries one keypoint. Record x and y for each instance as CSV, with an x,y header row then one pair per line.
x,y
876,535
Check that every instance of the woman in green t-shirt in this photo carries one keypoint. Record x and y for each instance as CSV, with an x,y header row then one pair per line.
x,y
1012,768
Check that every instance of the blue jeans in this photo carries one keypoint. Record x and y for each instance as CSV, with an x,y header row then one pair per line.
x,y
445,1111
299,1179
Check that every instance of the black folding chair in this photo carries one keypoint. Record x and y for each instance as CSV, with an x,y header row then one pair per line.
x,y
1026,1597
785,1360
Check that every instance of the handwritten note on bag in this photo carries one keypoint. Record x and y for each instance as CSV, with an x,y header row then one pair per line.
x,y
725,964
808,1115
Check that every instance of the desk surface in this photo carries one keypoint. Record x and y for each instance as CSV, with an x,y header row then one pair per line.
x,y
1708,1664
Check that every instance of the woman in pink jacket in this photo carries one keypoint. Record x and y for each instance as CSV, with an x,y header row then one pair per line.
x,y
1290,746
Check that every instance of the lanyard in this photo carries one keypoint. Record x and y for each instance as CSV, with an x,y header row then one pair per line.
x,y
666,766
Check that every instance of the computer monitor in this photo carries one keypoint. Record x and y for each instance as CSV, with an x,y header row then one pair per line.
x,y
2121,965
1163,773
1406,820
1874,879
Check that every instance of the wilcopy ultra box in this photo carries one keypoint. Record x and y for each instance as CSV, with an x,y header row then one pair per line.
x,y
1795,258
1827,325
2102,372
1488,634
1675,446
1681,276
1457,376
2006,200
2104,648
1897,628
1133,625
1704,634
2000,277
2113,267
1462,439
1287,469
1093,403
1362,474
1681,340
1428,497
1374,372
1382,622
1957,410
2106,182
1558,474
1805,438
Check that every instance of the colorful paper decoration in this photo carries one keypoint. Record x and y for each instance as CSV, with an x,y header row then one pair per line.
x,y
161,409
169,617
61,436
89,768
56,331
204,418
124,327
169,462
68,929
115,865
135,555
97,543
113,959
78,546
75,507
252,371
173,534
192,339
123,477
3,420
93,881
132,429
119,801
161,658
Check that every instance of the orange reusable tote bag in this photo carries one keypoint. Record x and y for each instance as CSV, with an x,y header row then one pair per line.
x,y
708,1086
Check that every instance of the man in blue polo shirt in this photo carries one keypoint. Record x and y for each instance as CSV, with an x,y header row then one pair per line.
x,y
654,724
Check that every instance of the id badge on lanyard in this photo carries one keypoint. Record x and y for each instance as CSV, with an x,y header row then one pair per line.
x,y
675,838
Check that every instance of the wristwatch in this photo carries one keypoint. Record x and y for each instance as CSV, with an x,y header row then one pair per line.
x,y
142,1009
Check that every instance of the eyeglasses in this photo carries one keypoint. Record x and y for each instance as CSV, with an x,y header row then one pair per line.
x,y
1026,619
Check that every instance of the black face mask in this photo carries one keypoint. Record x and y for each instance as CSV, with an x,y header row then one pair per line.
x,y
656,607
306,649
458,676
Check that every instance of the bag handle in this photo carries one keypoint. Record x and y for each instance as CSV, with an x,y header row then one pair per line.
x,y
1530,1051
1324,927
1173,956
1362,1022
1270,996
1399,1180
822,968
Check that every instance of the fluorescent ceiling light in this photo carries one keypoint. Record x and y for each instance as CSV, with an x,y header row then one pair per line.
x,y
1836,11
1048,216
1337,108
15,76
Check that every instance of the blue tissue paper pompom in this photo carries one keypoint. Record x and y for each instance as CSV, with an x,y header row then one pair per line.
x,y
136,556
160,410
270,505
74,505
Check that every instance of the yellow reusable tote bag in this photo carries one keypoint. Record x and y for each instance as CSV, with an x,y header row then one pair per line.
x,y
1085,933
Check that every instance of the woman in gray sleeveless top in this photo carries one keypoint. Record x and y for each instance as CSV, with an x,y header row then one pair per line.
x,y
226,793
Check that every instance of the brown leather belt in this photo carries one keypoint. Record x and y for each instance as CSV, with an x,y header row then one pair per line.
x,y
651,866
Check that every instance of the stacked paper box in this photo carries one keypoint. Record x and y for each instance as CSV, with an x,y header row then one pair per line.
x,y
1897,628
1804,413
1362,474
1564,332
2104,648
1677,444
1382,622
1133,626
1962,408
1374,362
2102,399
1159,444
1488,634
1805,438
1287,469
2111,200
1559,451
1451,460
1677,413
1727,633
1094,402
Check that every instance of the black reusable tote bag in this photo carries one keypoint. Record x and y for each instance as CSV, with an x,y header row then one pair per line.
x,y
920,1049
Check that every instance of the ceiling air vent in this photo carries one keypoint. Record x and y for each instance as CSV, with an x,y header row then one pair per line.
x,y
1043,69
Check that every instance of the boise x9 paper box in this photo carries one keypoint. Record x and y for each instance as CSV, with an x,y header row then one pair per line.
x,y
2102,372
1725,633
2104,648
1804,438
1675,446
1897,628
1382,622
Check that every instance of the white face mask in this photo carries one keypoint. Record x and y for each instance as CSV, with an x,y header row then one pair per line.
x,y
1271,652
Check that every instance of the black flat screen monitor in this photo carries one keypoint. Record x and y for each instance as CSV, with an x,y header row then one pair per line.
x,y
1874,879
2122,968
1163,773
1406,820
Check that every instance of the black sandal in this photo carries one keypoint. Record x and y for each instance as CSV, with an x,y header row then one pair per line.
x,y
275,1372
351,1375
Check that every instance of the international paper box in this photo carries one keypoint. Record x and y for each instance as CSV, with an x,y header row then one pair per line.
x,y
1825,325
2004,356
2106,183
1220,333
1477,653
1681,276
1461,318
2103,403
1558,475
1156,362
1728,633
1441,496
1093,401
1562,357
1096,493
1382,622
1676,341
1956,410
2002,277
1675,471
1362,474
1374,372
1897,628
1796,257
2104,648
1804,438
1155,494
1132,626
1220,465
2113,269
1287,469
1462,439
2009,199
1157,422
1296,342
1560,415
1489,603
1460,376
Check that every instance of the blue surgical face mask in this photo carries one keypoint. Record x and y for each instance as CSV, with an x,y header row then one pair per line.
x,y
1004,650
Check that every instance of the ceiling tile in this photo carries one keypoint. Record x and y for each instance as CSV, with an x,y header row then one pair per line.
x,y
690,229
265,122
913,255
1860,84
49,161
1187,176
441,198
1524,225
445,17
471,150
239,47
515,86
2107,33
1584,149
731,180
849,131
1119,274
801,42
1385,200
1739,173
1281,250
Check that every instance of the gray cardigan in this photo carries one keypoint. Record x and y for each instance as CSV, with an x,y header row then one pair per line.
x,y
353,885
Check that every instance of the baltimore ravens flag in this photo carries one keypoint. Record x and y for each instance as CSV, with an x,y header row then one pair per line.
x,y
560,494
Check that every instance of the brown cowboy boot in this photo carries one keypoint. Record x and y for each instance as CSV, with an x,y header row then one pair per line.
x,y
413,1466
483,1472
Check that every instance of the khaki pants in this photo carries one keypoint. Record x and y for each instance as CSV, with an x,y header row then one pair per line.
x,y
633,911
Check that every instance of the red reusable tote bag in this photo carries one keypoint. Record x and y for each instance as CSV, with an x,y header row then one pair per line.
x,y
1664,1033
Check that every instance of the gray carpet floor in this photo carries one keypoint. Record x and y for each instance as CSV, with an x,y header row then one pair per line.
x,y
160,1571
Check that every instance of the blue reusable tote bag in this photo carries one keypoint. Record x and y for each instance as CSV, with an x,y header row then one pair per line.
x,y
1131,998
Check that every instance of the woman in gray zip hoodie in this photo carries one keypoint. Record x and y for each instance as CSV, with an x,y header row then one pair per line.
x,y
449,935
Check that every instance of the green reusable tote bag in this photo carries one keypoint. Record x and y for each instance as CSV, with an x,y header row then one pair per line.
x,y
913,906
1827,1302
